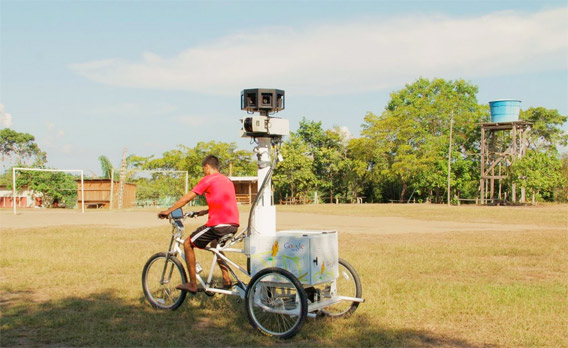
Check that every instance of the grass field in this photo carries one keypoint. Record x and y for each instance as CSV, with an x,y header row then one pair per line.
x,y
503,286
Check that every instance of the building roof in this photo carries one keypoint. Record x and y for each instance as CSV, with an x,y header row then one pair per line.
x,y
243,178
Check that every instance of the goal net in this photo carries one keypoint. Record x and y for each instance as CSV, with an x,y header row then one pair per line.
x,y
148,188
51,188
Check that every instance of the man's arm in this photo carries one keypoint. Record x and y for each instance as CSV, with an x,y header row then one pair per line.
x,y
180,203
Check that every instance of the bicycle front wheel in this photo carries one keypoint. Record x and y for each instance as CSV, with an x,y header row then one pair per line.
x,y
159,281
276,303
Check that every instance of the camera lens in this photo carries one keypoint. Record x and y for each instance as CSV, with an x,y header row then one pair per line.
x,y
266,99
247,124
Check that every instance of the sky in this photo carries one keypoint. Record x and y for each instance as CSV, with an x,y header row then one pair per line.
x,y
89,78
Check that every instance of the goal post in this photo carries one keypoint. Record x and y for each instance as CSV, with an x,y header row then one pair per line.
x,y
15,169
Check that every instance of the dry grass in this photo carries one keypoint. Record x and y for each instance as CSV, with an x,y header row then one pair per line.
x,y
80,286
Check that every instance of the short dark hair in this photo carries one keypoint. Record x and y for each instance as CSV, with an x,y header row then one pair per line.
x,y
212,161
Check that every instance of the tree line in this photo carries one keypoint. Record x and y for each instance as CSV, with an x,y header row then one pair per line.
x,y
401,154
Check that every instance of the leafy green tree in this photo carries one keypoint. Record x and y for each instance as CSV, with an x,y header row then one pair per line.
x,y
410,138
328,149
365,178
239,162
54,188
294,176
540,173
232,161
561,193
546,133
106,166
21,149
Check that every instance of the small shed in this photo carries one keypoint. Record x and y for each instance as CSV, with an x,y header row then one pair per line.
x,y
246,188
97,193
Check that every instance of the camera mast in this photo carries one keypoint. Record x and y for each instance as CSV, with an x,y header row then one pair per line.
x,y
268,132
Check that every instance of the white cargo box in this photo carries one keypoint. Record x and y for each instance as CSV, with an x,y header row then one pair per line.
x,y
312,256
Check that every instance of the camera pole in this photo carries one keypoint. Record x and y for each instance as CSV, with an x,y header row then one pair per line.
x,y
266,130
265,213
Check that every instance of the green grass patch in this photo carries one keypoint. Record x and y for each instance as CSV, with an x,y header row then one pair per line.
x,y
81,286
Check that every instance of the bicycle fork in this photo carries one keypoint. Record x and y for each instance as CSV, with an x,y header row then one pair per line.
x,y
164,271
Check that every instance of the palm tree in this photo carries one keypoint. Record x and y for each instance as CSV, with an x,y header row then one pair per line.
x,y
106,166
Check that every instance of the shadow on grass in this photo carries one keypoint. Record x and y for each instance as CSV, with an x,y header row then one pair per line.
x,y
106,319
362,331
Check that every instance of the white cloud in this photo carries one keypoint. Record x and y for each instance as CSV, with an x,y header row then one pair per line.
x,y
5,118
354,57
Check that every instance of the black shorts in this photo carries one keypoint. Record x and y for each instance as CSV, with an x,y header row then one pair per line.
x,y
205,234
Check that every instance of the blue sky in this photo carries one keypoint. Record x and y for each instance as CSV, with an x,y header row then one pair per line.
x,y
88,78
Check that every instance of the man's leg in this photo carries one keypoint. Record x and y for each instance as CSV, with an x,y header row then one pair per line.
x,y
190,261
224,272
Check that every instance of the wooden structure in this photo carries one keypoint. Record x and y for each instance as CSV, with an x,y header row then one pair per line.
x,y
501,144
246,188
98,193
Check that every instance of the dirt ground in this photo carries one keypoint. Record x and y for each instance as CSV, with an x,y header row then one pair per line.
x,y
285,221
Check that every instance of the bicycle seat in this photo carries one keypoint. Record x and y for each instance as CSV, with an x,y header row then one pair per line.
x,y
223,240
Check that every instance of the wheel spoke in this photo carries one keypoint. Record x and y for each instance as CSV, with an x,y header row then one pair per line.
x,y
346,284
159,279
276,303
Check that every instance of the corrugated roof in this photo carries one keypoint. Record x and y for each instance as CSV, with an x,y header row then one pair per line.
x,y
244,178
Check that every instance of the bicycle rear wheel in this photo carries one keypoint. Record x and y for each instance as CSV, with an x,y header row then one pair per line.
x,y
276,303
159,281
347,284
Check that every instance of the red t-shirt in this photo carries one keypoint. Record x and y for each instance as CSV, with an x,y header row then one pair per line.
x,y
220,195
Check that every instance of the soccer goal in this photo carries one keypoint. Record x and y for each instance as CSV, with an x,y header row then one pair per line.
x,y
147,188
53,182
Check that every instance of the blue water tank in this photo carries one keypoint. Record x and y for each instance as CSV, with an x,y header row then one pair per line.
x,y
506,110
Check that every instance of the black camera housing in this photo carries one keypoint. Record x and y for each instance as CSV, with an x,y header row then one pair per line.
x,y
263,100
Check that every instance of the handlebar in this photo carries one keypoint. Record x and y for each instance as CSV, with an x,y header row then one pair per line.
x,y
189,214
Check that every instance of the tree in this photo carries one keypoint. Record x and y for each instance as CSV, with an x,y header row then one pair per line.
x,y
366,178
232,161
106,166
561,193
20,148
294,175
410,138
540,173
546,133
328,149
56,189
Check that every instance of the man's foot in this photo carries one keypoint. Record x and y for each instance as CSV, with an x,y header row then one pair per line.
x,y
187,287
227,286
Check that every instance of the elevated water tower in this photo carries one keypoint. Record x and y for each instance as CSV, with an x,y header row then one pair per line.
x,y
503,141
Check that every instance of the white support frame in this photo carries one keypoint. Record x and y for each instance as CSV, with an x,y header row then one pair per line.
x,y
47,170
146,171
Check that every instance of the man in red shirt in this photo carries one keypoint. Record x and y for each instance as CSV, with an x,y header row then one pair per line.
x,y
223,217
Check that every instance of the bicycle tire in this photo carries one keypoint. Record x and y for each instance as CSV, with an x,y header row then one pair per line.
x,y
347,284
163,295
276,303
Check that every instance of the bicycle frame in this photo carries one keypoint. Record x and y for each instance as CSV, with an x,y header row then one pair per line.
x,y
176,249
329,297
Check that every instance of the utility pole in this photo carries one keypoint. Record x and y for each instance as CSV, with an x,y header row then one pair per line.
x,y
122,179
450,157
